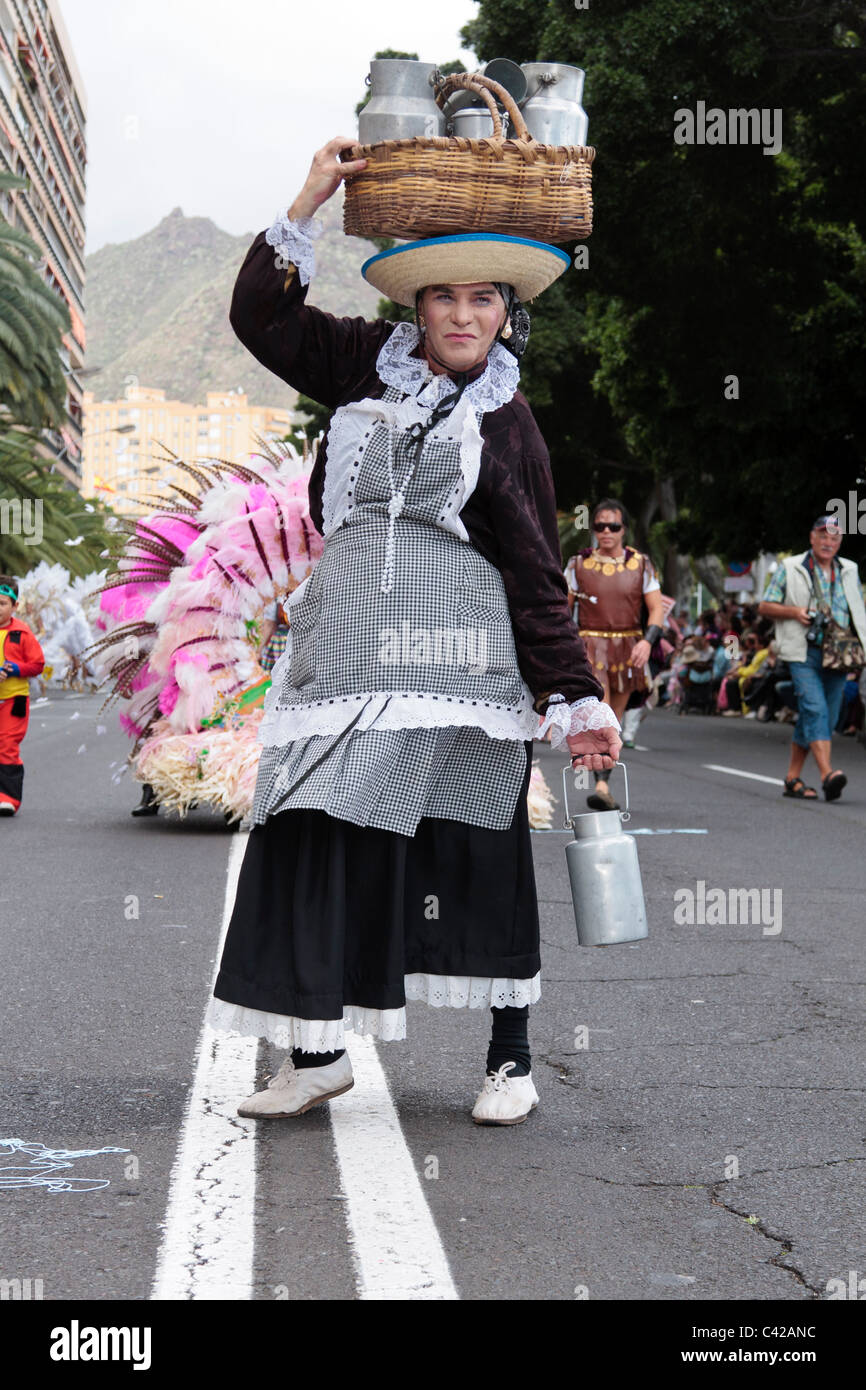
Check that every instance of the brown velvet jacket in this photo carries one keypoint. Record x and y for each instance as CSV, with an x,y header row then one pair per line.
x,y
510,518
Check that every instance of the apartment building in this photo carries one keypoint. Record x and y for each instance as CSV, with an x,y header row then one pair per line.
x,y
42,138
122,462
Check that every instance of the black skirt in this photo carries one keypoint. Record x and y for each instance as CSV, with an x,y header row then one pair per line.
x,y
330,914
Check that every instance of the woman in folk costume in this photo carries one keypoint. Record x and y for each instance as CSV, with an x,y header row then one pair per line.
x,y
390,855
609,587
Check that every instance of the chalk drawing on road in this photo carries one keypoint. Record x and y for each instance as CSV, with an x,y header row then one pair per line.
x,y
45,1166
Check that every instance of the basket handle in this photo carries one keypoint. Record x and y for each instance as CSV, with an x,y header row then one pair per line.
x,y
483,87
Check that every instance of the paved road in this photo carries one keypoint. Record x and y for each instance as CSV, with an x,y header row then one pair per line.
x,y
707,1143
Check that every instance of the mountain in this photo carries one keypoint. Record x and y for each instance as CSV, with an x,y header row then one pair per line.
x,y
157,307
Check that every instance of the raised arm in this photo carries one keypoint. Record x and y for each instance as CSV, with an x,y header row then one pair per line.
x,y
315,352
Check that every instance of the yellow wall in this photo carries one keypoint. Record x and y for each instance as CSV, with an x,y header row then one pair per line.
x,y
224,428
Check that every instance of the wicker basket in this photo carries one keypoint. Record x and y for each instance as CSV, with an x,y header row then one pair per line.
x,y
445,185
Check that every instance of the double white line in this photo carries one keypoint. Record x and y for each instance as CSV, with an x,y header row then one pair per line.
x,y
208,1242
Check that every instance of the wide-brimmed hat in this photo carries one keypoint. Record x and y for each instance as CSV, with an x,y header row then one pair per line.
x,y
530,266
692,653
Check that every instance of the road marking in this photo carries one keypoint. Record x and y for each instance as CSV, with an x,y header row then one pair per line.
x,y
648,831
659,831
736,772
209,1230
396,1247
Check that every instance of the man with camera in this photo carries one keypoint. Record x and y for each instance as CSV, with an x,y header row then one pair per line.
x,y
816,603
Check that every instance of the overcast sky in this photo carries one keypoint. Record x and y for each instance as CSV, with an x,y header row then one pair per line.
x,y
217,107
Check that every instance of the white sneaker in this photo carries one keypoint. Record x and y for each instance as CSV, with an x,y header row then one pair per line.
x,y
6,808
505,1100
296,1089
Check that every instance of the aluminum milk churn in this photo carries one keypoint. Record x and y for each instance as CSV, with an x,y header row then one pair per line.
x,y
475,122
402,102
604,872
552,111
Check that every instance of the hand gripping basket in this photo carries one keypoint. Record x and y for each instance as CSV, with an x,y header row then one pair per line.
x,y
445,185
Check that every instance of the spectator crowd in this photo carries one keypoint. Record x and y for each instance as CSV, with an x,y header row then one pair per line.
x,y
727,663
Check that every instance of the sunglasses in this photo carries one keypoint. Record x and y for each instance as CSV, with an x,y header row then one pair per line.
x,y
607,526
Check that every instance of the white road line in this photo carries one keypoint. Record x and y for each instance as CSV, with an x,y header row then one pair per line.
x,y
676,831
397,1250
209,1231
735,772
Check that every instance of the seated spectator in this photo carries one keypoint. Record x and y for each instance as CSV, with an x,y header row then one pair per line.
x,y
772,688
850,720
722,660
743,673
708,625
691,665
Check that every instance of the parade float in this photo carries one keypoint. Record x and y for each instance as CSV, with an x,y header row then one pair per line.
x,y
64,615
182,607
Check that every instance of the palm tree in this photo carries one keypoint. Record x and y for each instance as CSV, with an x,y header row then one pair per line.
x,y
32,319
41,517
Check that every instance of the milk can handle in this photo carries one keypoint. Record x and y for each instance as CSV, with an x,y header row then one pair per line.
x,y
623,815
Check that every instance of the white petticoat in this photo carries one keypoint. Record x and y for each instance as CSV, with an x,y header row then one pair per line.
x,y
388,1025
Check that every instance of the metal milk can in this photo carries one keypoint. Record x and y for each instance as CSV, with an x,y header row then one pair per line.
x,y
552,111
475,122
402,104
604,873
500,70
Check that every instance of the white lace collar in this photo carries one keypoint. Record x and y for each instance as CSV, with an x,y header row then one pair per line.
x,y
396,367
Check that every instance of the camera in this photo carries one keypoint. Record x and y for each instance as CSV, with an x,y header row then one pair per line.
x,y
815,630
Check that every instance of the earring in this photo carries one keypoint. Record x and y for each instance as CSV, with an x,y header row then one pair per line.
x,y
507,330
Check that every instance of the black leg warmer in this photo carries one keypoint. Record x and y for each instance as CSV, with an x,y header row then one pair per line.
x,y
509,1041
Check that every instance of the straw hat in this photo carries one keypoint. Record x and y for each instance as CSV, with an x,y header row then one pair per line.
x,y
530,266
690,653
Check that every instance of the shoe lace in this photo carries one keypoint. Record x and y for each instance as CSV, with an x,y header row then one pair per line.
x,y
495,1081
284,1075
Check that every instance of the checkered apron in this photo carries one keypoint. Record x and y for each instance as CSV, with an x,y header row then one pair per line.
x,y
443,633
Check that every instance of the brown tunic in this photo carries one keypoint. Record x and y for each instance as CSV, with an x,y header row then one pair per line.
x,y
611,626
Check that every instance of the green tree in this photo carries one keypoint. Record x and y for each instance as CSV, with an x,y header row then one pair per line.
x,y
37,506
32,319
43,518
708,262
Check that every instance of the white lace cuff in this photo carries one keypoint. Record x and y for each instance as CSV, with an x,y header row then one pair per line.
x,y
563,719
293,243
